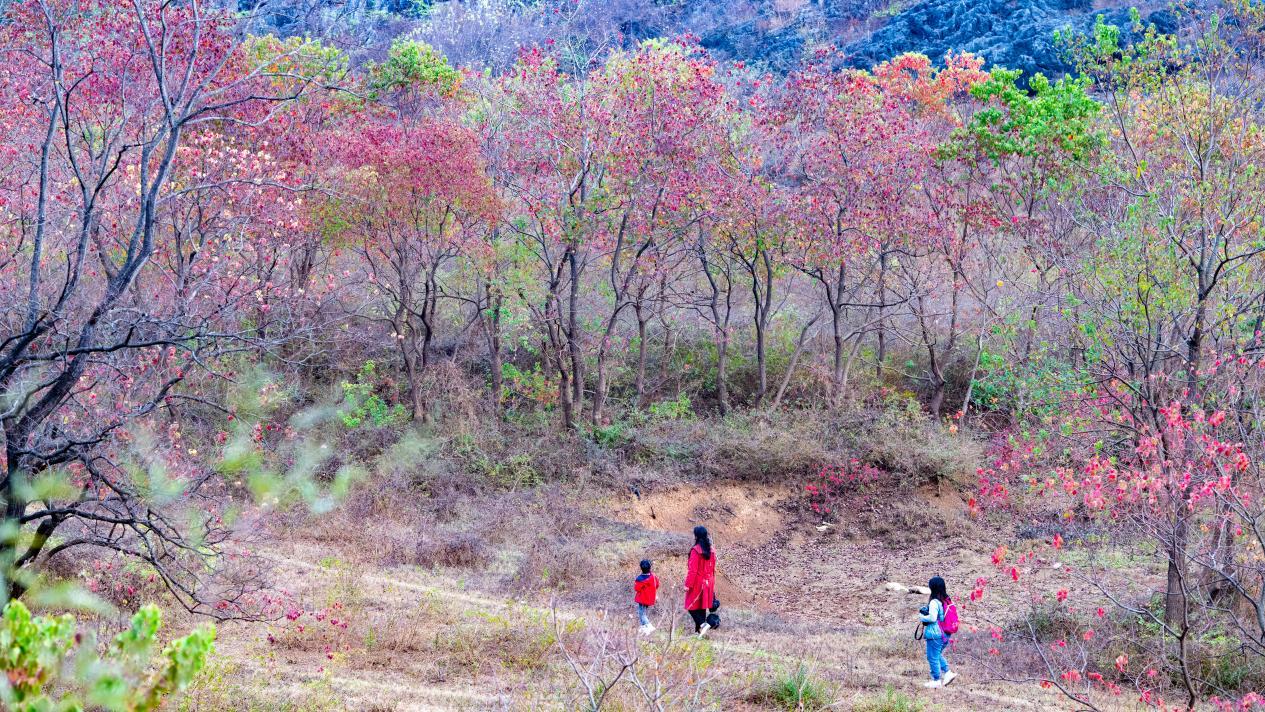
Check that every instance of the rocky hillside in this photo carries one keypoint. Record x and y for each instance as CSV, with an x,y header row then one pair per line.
x,y
777,33
1012,33
773,33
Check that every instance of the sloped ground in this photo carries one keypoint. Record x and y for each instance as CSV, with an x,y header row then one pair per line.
x,y
403,638
410,604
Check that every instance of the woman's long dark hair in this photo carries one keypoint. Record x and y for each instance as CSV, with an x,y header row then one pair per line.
x,y
705,542
939,591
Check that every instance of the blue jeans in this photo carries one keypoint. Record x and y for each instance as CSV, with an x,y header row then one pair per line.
x,y
935,657
643,613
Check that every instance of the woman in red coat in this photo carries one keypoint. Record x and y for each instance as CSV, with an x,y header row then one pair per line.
x,y
700,580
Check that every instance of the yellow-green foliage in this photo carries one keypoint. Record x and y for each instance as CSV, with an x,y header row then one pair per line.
x,y
48,665
413,66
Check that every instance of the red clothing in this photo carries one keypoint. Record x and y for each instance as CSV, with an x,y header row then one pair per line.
x,y
646,586
700,580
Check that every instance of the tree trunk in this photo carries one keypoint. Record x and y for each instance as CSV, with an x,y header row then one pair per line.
x,y
430,308
558,361
881,332
641,357
1175,597
411,372
834,299
1175,594
847,368
763,298
722,367
790,367
555,355
573,334
492,326
761,368
602,385
14,507
936,404
599,388
719,323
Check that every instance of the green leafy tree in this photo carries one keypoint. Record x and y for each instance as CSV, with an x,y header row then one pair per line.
x,y
1032,151
412,74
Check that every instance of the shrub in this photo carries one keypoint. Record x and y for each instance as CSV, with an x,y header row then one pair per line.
x,y
498,462
761,451
890,701
363,405
48,664
553,563
679,408
1050,622
612,435
493,641
223,686
903,439
531,385
463,550
837,486
798,690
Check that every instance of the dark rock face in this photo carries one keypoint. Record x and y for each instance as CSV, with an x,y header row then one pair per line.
x,y
1018,34
777,34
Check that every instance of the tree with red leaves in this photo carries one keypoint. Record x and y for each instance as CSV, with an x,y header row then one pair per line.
x,y
412,193
127,270
671,112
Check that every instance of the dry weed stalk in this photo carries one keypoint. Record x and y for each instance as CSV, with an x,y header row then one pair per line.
x,y
669,672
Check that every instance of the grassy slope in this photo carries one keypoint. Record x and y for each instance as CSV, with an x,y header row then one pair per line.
x,y
452,639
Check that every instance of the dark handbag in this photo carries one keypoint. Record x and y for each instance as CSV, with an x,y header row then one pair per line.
x,y
715,605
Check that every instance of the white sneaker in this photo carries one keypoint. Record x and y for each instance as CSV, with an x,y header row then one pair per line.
x,y
932,684
647,629
949,676
702,631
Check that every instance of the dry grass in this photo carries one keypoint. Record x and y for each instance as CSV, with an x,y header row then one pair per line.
x,y
460,550
486,513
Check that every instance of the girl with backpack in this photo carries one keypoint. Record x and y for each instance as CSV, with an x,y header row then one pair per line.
x,y
939,620
700,581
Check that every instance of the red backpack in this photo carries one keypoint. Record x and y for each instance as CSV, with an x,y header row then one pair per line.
x,y
949,625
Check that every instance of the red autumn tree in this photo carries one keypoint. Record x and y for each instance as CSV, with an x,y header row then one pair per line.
x,y
412,192
670,110
116,297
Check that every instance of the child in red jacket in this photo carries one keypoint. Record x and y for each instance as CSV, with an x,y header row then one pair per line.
x,y
647,588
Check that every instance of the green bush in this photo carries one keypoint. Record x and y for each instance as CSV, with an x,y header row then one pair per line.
x,y
679,408
48,665
612,435
1225,663
798,690
531,385
362,404
890,701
